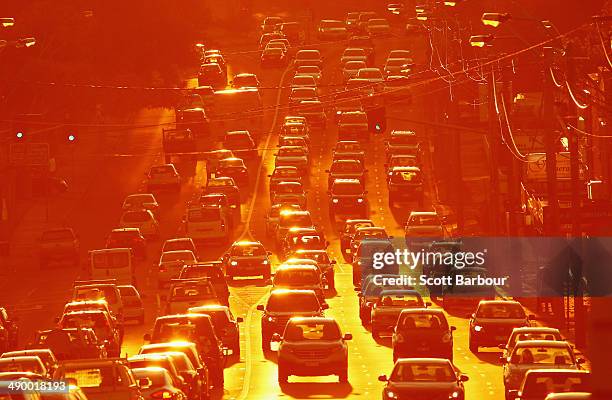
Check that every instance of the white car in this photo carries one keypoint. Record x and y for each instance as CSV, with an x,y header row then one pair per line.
x,y
405,54
133,308
378,27
350,69
141,219
206,223
308,57
170,265
372,75
353,54
163,176
423,227
140,201
303,81
311,70
398,66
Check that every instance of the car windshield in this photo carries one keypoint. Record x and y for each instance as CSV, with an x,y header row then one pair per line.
x,y
396,62
96,321
423,321
231,163
293,302
539,385
534,336
308,69
285,173
324,330
58,235
158,377
291,152
204,214
400,300
353,118
289,189
332,24
296,220
369,74
238,141
136,216
408,140
177,245
406,177
542,355
296,277
500,311
248,250
17,365
354,52
292,141
192,292
99,376
273,50
185,255
348,147
425,220
350,166
139,199
370,233
347,188
308,55
404,372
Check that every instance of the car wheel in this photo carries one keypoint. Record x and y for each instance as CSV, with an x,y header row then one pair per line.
x,y
375,333
343,376
473,346
283,376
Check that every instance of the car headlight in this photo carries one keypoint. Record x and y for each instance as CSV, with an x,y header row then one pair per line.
x,y
454,395
359,200
477,328
271,319
391,395
335,201
265,262
234,263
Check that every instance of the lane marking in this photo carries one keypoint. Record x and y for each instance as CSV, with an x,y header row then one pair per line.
x,y
248,359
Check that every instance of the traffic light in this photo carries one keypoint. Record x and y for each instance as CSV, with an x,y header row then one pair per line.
x,y
377,119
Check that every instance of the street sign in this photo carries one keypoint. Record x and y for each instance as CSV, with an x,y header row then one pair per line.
x,y
535,167
29,154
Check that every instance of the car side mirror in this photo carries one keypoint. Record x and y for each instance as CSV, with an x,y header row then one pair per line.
x,y
324,306
453,328
464,378
239,319
348,336
147,337
383,378
276,337
260,307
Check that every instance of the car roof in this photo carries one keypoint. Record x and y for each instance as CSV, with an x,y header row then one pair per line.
x,y
423,213
247,243
126,229
423,311
323,320
534,329
404,168
486,302
428,360
542,343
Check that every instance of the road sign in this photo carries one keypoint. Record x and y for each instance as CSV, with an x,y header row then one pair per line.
x,y
29,154
535,167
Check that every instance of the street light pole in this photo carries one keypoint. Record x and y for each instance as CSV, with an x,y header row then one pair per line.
x,y
494,151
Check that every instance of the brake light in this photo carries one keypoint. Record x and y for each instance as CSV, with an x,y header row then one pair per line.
x,y
162,394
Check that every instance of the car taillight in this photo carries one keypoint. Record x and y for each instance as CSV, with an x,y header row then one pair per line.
x,y
162,268
162,394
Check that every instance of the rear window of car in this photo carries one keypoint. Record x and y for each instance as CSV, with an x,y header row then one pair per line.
x,y
298,331
293,302
406,177
494,311
114,259
204,214
423,321
347,188
178,256
94,377
248,251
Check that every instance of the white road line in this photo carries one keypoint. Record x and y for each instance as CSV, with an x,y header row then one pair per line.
x,y
248,362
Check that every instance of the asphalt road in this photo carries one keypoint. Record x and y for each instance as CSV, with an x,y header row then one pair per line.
x,y
93,209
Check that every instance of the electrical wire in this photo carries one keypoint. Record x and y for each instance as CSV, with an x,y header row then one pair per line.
x,y
587,133
552,75
603,45
573,97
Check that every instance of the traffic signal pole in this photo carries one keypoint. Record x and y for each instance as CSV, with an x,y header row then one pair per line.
x,y
577,194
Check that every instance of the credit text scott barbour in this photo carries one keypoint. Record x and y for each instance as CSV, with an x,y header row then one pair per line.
x,y
425,280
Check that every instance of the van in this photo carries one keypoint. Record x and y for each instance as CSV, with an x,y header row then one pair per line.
x,y
114,263
206,223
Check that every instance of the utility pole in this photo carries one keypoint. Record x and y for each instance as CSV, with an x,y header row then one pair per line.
x,y
577,194
551,227
495,154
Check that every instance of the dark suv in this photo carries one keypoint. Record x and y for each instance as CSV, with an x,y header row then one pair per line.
x,y
60,245
247,259
282,305
348,197
422,332
312,346
405,184
196,328
493,322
